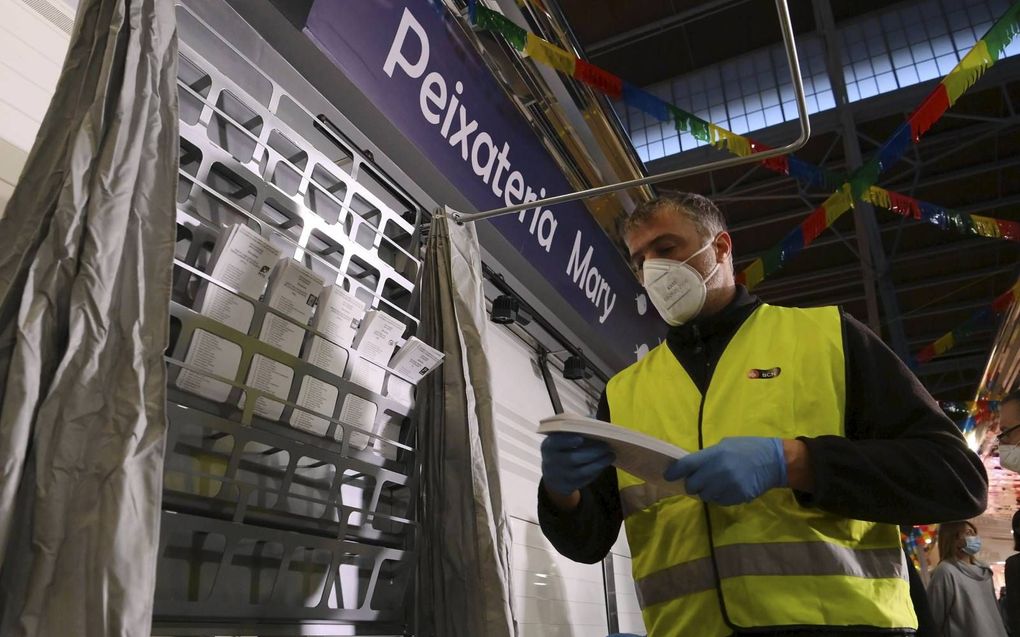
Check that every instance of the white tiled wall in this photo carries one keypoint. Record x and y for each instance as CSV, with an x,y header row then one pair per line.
x,y
553,596
628,611
574,399
32,49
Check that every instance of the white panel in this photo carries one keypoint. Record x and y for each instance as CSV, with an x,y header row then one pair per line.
x,y
25,93
521,400
16,127
28,61
628,611
553,595
29,26
12,160
32,51
5,193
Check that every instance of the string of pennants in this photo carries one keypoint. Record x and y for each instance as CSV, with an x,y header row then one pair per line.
x,y
860,185
986,52
980,318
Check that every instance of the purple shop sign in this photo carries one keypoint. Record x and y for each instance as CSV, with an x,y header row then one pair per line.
x,y
410,59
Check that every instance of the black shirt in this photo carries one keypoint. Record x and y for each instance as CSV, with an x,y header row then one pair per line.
x,y
902,461
1013,595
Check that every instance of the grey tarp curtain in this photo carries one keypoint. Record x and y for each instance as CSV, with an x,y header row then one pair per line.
x,y
86,249
464,574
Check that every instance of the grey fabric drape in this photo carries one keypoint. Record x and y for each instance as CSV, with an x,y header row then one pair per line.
x,y
86,249
464,575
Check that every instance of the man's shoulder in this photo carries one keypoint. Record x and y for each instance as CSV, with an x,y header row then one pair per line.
x,y
639,364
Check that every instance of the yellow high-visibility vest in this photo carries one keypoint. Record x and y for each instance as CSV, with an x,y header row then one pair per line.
x,y
706,570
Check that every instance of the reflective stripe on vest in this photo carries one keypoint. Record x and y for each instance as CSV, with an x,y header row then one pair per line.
x,y
779,563
778,558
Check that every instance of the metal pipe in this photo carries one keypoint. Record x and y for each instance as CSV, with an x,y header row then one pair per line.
x,y
786,27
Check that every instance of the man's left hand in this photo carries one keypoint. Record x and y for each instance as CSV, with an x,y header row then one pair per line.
x,y
735,471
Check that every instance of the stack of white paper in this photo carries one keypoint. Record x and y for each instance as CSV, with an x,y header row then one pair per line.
x,y
337,316
358,412
242,260
293,290
636,453
415,359
377,336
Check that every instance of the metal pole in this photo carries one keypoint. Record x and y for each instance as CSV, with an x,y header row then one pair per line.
x,y
786,26
550,384
878,283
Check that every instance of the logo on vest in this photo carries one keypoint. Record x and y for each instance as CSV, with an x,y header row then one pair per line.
x,y
764,373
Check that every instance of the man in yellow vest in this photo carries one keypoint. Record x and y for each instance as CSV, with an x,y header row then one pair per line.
x,y
811,441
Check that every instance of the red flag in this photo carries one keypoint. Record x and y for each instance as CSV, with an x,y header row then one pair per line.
x,y
904,205
813,226
598,79
929,112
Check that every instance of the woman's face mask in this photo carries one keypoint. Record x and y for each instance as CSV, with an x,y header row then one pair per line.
x,y
676,288
972,545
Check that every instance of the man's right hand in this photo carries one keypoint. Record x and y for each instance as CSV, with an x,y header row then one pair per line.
x,y
571,462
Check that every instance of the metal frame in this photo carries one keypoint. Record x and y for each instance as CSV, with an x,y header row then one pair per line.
x,y
269,528
786,26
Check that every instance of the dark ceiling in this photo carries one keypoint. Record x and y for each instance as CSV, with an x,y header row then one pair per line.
x,y
653,40
970,161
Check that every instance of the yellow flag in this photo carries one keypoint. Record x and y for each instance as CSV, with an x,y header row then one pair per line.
x,y
755,273
970,68
550,54
838,203
944,343
879,197
725,140
986,226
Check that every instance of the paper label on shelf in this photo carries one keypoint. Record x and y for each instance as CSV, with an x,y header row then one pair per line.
x,y
368,375
273,377
318,396
243,261
327,356
293,290
214,355
415,359
338,315
359,413
377,336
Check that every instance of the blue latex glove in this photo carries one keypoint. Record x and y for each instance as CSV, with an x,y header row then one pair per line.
x,y
735,471
570,461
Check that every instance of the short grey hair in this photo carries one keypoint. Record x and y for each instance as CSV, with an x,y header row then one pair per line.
x,y
705,215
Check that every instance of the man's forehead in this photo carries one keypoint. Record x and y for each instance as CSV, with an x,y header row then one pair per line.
x,y
662,223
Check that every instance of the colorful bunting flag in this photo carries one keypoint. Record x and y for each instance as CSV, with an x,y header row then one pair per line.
x,y
860,185
947,341
599,79
550,55
646,102
499,23
724,139
970,68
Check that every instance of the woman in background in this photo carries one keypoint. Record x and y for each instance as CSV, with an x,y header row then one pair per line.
x,y
961,591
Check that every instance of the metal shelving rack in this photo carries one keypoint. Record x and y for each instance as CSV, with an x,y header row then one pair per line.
x,y
269,529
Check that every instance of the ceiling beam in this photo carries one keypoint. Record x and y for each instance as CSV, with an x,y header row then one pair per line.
x,y
626,38
974,359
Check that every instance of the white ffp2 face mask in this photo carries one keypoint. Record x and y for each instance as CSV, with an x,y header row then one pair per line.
x,y
1009,457
675,288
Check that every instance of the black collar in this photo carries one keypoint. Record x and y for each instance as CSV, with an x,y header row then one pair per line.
x,y
723,323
